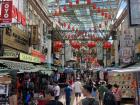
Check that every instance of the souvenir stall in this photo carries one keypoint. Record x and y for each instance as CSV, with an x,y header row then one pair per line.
x,y
127,82
5,81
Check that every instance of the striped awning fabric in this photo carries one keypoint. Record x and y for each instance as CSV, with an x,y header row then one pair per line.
x,y
17,65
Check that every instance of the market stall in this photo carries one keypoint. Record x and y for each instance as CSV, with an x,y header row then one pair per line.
x,y
127,80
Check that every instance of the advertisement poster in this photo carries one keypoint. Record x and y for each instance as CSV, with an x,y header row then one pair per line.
x,y
134,17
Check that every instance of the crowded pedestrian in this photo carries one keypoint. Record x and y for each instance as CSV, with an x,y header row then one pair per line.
x,y
109,98
117,93
102,90
51,97
56,91
88,100
77,89
95,93
68,93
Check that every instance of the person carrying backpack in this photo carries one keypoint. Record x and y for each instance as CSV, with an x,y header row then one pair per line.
x,y
109,98
88,100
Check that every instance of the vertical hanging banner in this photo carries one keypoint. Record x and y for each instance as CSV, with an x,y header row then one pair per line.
x,y
34,36
99,48
6,12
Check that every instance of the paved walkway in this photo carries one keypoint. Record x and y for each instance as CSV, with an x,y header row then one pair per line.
x,y
73,100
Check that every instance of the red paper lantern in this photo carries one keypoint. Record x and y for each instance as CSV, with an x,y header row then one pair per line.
x,y
88,1
94,6
75,44
65,8
58,44
98,9
91,44
107,45
77,1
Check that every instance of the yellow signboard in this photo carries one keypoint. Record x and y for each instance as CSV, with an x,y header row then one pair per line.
x,y
29,58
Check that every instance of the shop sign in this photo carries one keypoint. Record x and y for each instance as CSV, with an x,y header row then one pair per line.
x,y
16,38
36,53
6,12
18,15
12,54
29,58
134,12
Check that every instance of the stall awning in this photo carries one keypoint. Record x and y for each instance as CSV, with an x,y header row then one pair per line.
x,y
133,68
48,72
17,65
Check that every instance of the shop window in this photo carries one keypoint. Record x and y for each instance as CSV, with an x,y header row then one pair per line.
x,y
8,31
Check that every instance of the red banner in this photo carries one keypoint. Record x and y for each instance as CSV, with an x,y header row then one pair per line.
x,y
6,12
39,54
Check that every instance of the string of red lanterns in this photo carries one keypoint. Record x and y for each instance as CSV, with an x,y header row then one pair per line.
x,y
91,44
98,9
75,44
107,45
58,44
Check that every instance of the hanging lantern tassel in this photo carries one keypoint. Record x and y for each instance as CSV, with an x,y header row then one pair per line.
x,y
60,11
98,10
73,28
69,26
100,26
102,12
77,1
88,1
109,16
65,8
94,6
106,15
65,24
70,4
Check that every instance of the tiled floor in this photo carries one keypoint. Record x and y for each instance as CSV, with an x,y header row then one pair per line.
x,y
73,100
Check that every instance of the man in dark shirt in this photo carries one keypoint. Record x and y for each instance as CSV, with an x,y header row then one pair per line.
x,y
51,98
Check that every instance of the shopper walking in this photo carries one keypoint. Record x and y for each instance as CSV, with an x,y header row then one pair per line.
x,y
95,93
51,98
117,94
88,100
57,91
102,90
68,93
77,89
109,98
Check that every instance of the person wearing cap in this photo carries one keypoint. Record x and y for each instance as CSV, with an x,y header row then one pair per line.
x,y
77,89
